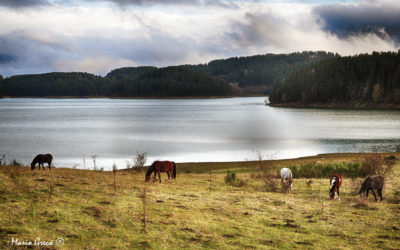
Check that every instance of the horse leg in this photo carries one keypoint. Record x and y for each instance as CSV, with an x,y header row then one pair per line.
x,y
380,193
159,175
373,192
168,174
155,173
49,165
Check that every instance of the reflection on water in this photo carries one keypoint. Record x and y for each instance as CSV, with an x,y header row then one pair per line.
x,y
185,130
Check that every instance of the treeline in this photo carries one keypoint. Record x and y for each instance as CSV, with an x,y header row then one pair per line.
x,y
261,70
125,82
362,80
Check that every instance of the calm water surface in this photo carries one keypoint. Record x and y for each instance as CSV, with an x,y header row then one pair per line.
x,y
184,130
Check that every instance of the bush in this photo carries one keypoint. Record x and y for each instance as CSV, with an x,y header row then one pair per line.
x,y
230,178
371,165
314,170
376,165
269,177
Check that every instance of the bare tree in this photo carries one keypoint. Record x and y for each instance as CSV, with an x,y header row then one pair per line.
x,y
114,168
140,159
94,162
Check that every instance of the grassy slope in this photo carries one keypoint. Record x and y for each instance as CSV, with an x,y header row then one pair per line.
x,y
81,207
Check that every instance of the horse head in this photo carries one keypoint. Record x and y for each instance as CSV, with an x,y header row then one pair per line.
x,y
332,188
33,166
364,187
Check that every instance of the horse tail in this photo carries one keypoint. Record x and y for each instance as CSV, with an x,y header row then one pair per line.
x,y
174,170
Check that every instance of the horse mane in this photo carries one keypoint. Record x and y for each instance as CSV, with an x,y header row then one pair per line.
x,y
151,169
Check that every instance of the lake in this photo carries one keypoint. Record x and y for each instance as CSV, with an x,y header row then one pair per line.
x,y
184,130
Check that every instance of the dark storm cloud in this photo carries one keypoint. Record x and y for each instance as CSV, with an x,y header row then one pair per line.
x,y
22,3
29,55
345,20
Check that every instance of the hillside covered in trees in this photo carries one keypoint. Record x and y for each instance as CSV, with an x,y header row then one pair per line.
x,y
126,82
258,74
355,81
253,75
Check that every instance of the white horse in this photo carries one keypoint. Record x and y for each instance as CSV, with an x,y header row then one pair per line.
x,y
286,180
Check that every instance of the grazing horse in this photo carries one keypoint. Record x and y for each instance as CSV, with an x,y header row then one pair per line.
x,y
286,180
372,183
336,182
47,158
161,166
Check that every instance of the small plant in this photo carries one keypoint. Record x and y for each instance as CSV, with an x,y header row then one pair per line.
x,y
114,169
15,163
3,160
268,177
142,196
140,159
94,162
231,179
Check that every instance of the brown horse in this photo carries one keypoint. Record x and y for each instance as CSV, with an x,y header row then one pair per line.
x,y
47,158
161,166
372,183
336,182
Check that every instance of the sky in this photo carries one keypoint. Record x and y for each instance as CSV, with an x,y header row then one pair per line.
x,y
97,36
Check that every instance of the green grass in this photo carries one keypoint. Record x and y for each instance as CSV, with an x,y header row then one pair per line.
x,y
81,207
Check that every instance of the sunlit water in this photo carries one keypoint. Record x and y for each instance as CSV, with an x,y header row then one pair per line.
x,y
184,130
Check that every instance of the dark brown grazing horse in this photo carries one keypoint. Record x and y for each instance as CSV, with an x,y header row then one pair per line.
x,y
161,166
372,183
336,182
47,158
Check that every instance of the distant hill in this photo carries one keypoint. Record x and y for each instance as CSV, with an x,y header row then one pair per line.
x,y
128,73
170,81
54,84
126,82
253,75
259,73
354,81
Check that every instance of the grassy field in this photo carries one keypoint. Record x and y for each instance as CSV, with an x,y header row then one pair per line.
x,y
81,209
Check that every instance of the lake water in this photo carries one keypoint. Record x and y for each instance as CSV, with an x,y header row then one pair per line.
x,y
184,130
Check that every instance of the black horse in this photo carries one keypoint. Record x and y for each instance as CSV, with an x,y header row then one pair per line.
x,y
372,183
47,158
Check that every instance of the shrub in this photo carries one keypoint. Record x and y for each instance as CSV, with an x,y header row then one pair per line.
x,y
230,178
269,177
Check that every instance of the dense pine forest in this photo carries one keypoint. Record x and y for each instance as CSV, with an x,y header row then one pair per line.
x,y
128,82
261,72
355,81
254,75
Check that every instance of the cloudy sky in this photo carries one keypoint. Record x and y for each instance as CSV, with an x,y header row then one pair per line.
x,y
97,36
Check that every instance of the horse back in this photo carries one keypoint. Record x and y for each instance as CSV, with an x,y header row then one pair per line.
x,y
377,182
286,173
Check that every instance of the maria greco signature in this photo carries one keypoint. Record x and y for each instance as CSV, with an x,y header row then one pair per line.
x,y
37,242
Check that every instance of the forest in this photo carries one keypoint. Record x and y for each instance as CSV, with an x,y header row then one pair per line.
x,y
126,82
261,71
253,75
361,80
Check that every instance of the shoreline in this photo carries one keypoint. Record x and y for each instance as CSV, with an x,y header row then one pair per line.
x,y
350,106
253,164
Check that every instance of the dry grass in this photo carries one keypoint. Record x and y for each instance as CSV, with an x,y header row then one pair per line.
x,y
81,207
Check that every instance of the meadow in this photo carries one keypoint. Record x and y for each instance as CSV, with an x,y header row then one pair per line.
x,y
84,209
